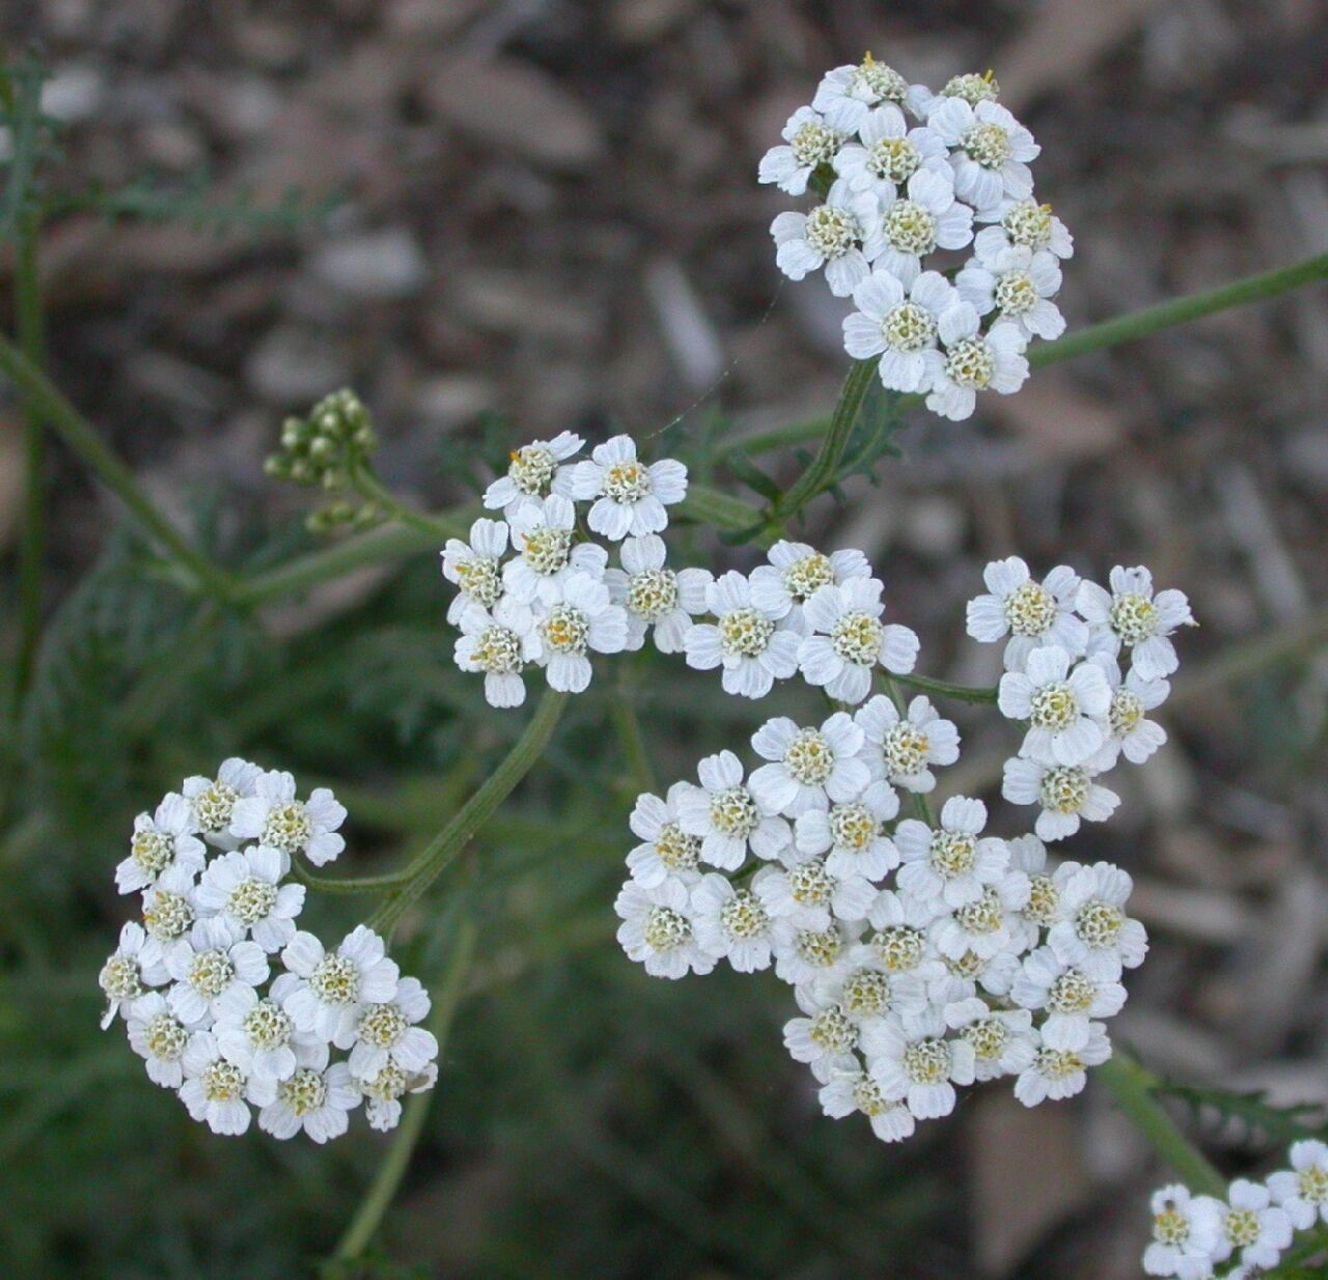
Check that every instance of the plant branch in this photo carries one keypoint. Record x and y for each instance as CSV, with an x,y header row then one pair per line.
x,y
368,485
944,689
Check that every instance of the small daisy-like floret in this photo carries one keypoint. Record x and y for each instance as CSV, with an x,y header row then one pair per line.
x,y
985,926
1028,225
129,971
656,596
1003,1040
808,896
853,1092
584,621
1301,1192
969,87
218,1091
336,983
955,862
745,640
667,851
911,1059
214,971
1031,613
387,1030
890,153
166,838
809,767
808,143
847,95
546,556
728,818
901,326
901,942
975,361
1067,794
851,834
1065,710
476,567
842,235
795,572
244,888
534,471
317,1101
849,640
657,929
1094,933
1018,284
501,644
1252,1226
866,991
825,1039
275,818
159,1038
926,217
259,1036
629,497
901,749
731,923
1130,616
1070,997
170,908
212,800
382,1096
1061,1073
811,955
1129,732
1186,1230
991,155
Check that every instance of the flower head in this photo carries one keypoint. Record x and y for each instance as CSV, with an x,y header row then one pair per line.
x,y
629,497
534,471
728,817
276,818
1130,616
842,235
218,1091
809,767
795,572
657,929
849,640
336,984
166,838
476,567
1066,710
1031,613
655,596
745,640
809,143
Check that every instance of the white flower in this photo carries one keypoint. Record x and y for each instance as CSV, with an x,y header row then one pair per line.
x,y
811,955
810,143
975,361
1018,284
129,970
852,834
808,896
274,817
910,1059
1130,616
668,852
1253,1225
1070,997
847,95
1095,933
317,1101
1061,1073
781,588
866,991
1031,613
534,472
501,644
387,1030
1129,732
166,838
900,748
744,640
962,975
218,1091
1186,1231
1302,1191
212,800
890,154
1065,710
159,1038
986,926
655,595
842,235
731,923
244,888
213,971
657,929
825,1039
728,817
1067,794
382,1107
630,497
968,87
992,151
901,326
542,533
901,944
851,1092
926,219
954,863
1029,225
849,640
259,1036
170,908
585,620
476,567
808,765
1003,1041
337,982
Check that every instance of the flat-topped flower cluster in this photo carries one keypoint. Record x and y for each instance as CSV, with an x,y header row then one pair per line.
x,y
1196,1237
225,1000
906,175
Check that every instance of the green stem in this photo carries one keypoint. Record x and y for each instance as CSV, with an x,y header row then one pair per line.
x,y
628,727
357,885
379,1198
429,864
944,689
1132,1086
368,485
47,401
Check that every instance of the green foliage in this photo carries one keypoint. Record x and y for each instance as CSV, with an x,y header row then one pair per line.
x,y
1250,1115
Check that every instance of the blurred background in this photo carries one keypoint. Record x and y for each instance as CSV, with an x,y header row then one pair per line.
x,y
546,217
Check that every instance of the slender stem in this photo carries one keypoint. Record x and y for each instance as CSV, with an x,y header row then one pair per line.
x,y
1132,1086
368,485
628,727
431,861
944,689
379,1198
357,885
47,401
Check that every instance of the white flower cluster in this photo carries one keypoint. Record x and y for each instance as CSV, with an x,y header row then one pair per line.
x,y
1194,1235
924,954
909,175
191,979
1063,663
